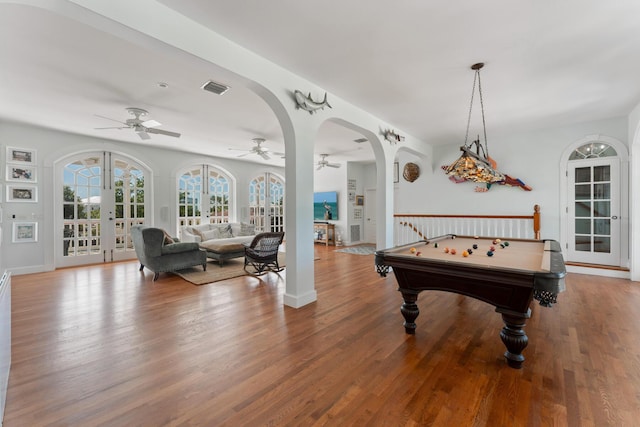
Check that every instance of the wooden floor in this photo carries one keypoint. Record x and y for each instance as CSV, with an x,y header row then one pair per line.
x,y
104,345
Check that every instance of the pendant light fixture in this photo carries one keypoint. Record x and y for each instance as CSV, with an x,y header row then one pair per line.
x,y
475,166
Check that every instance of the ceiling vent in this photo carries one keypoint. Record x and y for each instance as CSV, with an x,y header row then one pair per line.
x,y
217,88
360,140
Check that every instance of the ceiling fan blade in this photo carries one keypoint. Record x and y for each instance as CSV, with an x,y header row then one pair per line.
x,y
242,155
333,165
275,153
162,132
109,118
115,127
319,167
143,135
265,156
151,124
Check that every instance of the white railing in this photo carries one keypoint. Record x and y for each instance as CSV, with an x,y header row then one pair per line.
x,y
412,227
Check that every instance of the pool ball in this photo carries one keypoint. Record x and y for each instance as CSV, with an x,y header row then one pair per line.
x,y
446,250
492,248
412,250
475,246
465,254
435,245
506,243
489,253
469,251
476,237
453,251
502,245
418,253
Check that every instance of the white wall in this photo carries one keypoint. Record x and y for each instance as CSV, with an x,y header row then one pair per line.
x,y
52,145
533,157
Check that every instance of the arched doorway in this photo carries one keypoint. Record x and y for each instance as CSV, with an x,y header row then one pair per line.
x,y
204,196
596,224
266,202
100,196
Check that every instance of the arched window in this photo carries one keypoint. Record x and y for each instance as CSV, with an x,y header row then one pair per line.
x,y
593,150
203,200
266,203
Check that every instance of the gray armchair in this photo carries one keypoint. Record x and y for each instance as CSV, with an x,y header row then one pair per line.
x,y
160,257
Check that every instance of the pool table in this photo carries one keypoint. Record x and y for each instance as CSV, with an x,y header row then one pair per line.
x,y
517,271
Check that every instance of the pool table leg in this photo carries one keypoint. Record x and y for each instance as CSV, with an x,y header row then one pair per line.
x,y
514,338
410,311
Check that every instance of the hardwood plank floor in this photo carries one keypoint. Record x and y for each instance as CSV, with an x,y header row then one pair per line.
x,y
104,345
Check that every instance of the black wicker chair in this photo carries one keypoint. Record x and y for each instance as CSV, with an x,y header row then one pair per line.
x,y
262,253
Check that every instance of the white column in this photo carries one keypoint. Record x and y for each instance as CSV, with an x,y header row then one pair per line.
x,y
300,287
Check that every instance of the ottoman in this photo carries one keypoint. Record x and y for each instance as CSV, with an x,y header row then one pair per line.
x,y
223,249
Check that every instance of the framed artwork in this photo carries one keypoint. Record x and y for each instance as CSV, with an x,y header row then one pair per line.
x,y
22,156
25,232
359,200
22,193
396,172
26,173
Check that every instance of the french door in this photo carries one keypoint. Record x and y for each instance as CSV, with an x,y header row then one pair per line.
x,y
102,195
266,203
203,196
594,211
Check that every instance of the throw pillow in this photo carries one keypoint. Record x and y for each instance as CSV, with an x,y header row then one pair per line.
x,y
167,239
225,231
210,234
247,229
196,232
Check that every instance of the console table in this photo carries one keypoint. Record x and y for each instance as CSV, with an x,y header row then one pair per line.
x,y
326,233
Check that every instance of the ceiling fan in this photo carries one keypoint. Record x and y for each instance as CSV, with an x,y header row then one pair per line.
x,y
142,127
324,162
258,149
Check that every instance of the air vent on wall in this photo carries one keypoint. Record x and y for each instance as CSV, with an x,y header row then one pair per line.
x,y
355,233
217,88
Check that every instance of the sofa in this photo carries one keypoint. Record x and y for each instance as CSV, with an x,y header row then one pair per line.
x,y
220,241
160,253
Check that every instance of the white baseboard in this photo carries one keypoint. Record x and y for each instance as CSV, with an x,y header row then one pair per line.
x,y
619,274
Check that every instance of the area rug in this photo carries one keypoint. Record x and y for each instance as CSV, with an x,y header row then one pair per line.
x,y
359,250
230,269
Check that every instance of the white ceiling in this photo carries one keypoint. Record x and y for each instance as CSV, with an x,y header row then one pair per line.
x,y
548,63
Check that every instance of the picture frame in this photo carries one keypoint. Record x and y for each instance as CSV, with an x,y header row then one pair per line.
x,y
21,173
23,156
25,232
22,193
359,200
396,172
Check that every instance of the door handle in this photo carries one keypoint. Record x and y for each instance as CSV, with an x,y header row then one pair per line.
x,y
614,217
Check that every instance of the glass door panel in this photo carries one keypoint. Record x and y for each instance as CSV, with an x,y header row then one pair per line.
x,y
102,197
594,227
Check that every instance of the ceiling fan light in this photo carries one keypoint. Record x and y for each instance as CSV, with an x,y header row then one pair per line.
x,y
217,88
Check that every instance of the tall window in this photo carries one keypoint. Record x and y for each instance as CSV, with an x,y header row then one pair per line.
x,y
203,200
266,203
